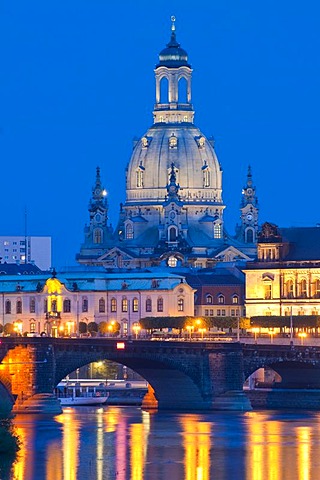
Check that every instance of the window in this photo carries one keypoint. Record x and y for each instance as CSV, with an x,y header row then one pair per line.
x,y
113,305
235,299
129,231
290,289
32,327
22,242
124,304
211,312
220,299
97,235
172,262
102,305
303,288
45,306
32,305
317,288
54,305
206,178
139,178
172,233
85,305
233,313
217,230
148,305
209,299
8,307
267,291
223,313
218,312
67,305
19,306
135,305
206,313
180,305
160,304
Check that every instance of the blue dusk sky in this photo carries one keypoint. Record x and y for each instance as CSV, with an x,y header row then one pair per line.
x,y
77,85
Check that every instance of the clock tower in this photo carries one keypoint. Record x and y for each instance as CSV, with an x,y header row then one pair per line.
x,y
247,231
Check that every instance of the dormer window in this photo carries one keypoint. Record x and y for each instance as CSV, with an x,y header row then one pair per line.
x,y
129,231
209,299
217,230
173,141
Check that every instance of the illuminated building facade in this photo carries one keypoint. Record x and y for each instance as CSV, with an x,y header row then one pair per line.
x,y
173,213
21,249
57,304
285,279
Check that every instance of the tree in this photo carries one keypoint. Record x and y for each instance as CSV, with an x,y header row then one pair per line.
x,y
93,328
9,329
83,327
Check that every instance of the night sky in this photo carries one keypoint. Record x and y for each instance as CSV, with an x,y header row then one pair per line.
x,y
77,85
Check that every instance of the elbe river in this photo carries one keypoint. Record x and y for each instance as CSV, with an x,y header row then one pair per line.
x,y
126,443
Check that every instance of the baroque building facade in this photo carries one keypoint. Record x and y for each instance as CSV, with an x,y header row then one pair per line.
x,y
55,304
285,279
173,212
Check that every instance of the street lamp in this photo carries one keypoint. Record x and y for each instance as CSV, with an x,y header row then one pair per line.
x,y
202,330
189,328
302,336
255,330
136,328
271,333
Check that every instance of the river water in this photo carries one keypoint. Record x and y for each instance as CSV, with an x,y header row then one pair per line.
x,y
119,443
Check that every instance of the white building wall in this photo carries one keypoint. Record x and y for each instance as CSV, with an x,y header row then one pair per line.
x,y
13,250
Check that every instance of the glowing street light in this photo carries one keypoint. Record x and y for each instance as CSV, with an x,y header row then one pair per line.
x,y
302,336
202,330
255,330
189,328
271,333
136,328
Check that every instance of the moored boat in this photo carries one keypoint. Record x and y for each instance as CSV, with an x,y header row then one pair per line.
x,y
73,394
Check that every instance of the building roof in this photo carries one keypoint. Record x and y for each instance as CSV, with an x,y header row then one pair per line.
x,y
19,269
304,243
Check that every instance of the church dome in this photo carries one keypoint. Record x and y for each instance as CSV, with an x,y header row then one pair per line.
x,y
197,168
173,55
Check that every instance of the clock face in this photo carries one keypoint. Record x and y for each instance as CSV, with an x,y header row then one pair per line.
x,y
172,215
249,216
249,191
98,217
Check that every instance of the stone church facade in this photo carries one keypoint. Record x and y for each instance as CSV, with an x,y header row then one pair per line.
x,y
173,212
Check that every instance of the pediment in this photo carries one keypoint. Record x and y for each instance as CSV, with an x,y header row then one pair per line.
x,y
230,254
113,254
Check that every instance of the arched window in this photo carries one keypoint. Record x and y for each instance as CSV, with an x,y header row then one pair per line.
x,y
102,305
85,305
317,288
148,305
66,305
160,304
164,90
135,305
129,231
172,262
172,234
303,288
206,177
180,304
19,306
139,175
182,90
124,304
220,298
249,235
217,230
54,305
113,305
32,305
97,235
235,299
290,289
8,307
209,299
32,326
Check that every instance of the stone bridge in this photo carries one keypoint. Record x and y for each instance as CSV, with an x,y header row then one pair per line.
x,y
182,375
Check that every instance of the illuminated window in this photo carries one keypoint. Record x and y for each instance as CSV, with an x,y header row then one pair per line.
x,y
160,304
217,230
180,305
267,291
209,298
129,231
235,299
85,304
206,178
67,305
220,298
317,289
139,174
172,262
113,305
290,289
148,305
19,306
102,305
124,304
303,288
54,305
97,235
135,305
32,305
8,307
32,327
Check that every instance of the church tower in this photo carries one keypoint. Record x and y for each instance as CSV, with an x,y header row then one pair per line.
x,y
249,212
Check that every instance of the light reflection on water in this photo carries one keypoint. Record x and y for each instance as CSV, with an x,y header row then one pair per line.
x,y
116,443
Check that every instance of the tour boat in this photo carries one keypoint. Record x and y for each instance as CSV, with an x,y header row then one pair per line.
x,y
76,395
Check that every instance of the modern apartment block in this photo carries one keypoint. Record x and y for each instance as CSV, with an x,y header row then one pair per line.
x,y
21,249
